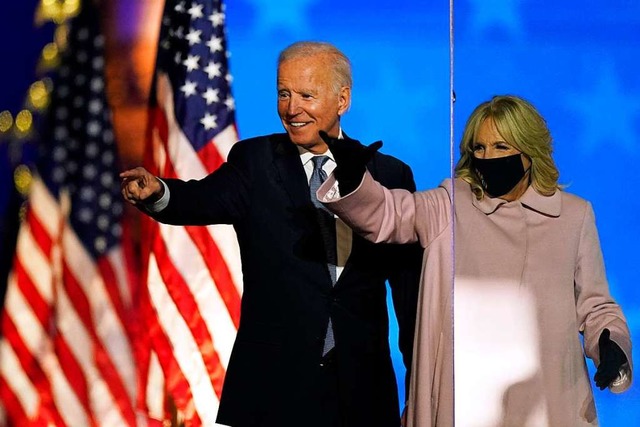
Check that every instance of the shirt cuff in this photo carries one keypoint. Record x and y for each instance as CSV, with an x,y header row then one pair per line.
x,y
332,193
160,204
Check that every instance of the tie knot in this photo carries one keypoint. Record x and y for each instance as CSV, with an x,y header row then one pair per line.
x,y
319,161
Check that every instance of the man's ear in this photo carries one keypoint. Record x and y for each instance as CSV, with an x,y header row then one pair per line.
x,y
344,100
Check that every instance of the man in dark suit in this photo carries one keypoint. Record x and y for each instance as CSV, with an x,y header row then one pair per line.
x,y
312,346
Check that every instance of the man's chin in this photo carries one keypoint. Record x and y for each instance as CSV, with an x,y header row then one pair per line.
x,y
316,147
301,142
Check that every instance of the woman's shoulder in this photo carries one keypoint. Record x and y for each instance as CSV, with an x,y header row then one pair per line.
x,y
572,199
457,185
574,206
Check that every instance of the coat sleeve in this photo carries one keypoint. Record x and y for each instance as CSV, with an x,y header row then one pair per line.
x,y
391,216
595,307
219,198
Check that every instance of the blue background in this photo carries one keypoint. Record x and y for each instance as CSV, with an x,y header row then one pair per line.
x,y
576,61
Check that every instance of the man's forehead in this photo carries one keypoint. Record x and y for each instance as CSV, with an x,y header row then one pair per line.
x,y
310,72
311,59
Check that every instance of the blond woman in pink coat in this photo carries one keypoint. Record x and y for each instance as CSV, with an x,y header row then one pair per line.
x,y
513,277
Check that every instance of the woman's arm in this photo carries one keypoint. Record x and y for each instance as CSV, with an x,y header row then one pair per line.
x,y
392,216
595,307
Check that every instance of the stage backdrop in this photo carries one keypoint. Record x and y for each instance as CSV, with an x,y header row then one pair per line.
x,y
576,61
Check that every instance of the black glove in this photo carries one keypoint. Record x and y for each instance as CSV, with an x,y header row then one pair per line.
x,y
611,360
351,160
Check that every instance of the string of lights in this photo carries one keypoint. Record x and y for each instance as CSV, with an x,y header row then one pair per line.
x,y
18,127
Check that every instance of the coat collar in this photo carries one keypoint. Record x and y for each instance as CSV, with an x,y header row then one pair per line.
x,y
545,205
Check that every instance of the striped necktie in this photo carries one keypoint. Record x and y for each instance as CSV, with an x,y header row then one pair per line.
x,y
327,229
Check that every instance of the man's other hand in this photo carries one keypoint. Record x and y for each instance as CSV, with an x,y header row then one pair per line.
x,y
140,187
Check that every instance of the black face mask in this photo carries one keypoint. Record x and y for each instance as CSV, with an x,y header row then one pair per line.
x,y
498,176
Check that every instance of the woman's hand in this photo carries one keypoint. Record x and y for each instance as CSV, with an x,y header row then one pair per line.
x,y
351,160
611,360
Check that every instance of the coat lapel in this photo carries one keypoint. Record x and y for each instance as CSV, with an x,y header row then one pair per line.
x,y
290,172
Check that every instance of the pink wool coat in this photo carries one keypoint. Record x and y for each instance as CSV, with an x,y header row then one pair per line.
x,y
529,280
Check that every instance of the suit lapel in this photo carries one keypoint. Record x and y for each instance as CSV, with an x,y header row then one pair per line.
x,y
290,172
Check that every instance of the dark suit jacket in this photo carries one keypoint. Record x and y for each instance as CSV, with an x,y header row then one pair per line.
x,y
287,298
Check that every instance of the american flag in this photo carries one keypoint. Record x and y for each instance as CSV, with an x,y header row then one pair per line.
x,y
66,357
192,307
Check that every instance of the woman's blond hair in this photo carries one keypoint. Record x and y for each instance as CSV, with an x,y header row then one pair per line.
x,y
521,126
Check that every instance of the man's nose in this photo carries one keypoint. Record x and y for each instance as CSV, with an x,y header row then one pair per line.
x,y
293,106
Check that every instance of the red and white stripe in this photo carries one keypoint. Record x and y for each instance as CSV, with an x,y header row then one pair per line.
x,y
65,355
194,278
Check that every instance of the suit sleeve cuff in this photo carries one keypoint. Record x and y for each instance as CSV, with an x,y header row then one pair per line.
x,y
160,204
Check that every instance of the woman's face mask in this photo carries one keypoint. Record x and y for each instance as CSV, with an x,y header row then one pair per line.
x,y
499,175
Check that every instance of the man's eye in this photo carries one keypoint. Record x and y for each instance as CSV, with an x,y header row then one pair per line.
x,y
283,94
477,147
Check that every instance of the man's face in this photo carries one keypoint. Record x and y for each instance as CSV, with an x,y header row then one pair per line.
x,y
307,101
